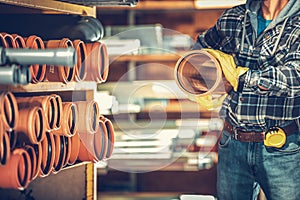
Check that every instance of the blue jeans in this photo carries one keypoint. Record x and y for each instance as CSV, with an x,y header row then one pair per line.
x,y
241,165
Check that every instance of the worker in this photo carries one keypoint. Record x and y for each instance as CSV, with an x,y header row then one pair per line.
x,y
258,47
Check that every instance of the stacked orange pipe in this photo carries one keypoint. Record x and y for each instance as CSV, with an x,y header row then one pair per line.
x,y
63,74
38,72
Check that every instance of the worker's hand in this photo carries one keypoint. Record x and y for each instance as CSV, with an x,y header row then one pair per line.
x,y
207,101
230,70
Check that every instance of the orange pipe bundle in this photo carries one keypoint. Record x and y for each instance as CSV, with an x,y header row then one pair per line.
x,y
62,74
97,62
80,67
9,113
38,72
17,171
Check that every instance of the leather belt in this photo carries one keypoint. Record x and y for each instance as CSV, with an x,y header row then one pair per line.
x,y
252,136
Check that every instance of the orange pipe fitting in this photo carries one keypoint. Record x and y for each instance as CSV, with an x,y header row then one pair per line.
x,y
69,120
9,113
48,150
97,62
75,145
32,124
80,67
88,116
38,72
17,172
63,74
110,134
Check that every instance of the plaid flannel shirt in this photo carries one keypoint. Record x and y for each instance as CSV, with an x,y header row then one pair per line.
x,y
273,58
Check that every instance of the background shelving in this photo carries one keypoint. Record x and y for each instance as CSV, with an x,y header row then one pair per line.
x,y
81,175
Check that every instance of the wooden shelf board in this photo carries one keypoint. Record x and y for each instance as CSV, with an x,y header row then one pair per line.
x,y
50,87
53,6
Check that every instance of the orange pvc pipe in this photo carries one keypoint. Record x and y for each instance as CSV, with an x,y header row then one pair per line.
x,y
110,134
69,120
48,149
12,135
18,41
199,73
17,172
63,74
93,147
80,67
101,141
38,72
58,111
88,116
32,124
8,39
97,62
60,153
8,110
75,145
33,159
1,142
47,103
5,148
39,157
68,146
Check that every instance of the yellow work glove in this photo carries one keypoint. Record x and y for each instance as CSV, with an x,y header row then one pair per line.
x,y
207,101
230,70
